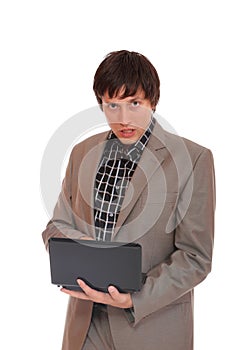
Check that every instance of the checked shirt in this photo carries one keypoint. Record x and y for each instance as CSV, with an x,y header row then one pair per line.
x,y
114,173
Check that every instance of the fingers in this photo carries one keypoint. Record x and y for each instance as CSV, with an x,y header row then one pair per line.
x,y
87,238
93,294
100,296
113,297
74,294
87,290
122,300
114,293
87,293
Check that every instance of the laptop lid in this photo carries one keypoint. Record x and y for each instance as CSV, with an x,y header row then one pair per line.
x,y
98,263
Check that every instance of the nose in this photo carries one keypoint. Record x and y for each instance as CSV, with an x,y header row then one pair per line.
x,y
124,115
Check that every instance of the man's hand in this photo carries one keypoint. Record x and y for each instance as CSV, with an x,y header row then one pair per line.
x,y
87,238
113,298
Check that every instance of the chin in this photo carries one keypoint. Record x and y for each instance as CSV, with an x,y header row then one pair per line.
x,y
127,141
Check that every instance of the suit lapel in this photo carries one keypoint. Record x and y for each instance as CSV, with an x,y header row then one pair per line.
x,y
150,162
86,179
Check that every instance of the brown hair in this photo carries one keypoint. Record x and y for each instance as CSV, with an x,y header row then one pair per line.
x,y
129,70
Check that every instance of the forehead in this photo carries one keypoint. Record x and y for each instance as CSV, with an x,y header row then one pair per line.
x,y
139,95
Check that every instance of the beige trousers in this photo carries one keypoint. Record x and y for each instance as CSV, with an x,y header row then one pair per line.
x,y
99,334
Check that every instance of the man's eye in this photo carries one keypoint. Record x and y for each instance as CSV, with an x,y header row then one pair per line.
x,y
112,105
135,104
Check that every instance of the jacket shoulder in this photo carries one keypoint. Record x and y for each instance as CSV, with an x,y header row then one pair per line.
x,y
85,145
194,149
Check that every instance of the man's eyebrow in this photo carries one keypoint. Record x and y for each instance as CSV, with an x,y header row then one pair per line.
x,y
134,98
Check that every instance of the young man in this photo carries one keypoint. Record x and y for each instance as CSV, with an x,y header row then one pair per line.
x,y
137,183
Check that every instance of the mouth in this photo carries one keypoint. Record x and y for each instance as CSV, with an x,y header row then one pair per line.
x,y
129,132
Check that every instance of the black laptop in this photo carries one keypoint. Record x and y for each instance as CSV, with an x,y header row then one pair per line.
x,y
98,263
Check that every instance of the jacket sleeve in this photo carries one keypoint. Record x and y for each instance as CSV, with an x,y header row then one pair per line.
x,y
62,223
191,261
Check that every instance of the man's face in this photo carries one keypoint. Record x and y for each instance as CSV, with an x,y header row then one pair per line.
x,y
129,117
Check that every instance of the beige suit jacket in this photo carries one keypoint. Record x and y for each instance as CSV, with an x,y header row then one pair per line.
x,y
168,209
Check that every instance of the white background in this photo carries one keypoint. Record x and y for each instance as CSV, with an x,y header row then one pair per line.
x,y
49,53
